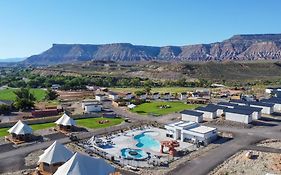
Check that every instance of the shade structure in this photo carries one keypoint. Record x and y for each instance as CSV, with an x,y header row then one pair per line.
x,y
80,164
65,120
20,128
56,153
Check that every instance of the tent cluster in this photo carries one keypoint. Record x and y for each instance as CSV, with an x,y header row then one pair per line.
x,y
22,132
58,160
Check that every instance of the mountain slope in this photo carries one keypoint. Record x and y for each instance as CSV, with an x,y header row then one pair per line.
x,y
238,47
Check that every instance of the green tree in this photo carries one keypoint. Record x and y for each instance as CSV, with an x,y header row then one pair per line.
x,y
51,95
24,100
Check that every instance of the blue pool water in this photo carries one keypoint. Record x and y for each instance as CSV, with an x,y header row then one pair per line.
x,y
146,141
136,154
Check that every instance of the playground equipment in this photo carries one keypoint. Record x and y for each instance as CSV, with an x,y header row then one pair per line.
x,y
171,144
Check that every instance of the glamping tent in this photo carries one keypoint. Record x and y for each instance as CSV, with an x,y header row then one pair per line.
x,y
65,123
53,157
80,164
20,131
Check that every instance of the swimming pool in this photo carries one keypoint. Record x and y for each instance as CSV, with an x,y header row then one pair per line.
x,y
136,154
146,141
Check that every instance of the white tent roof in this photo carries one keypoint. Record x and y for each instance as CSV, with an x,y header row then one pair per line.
x,y
65,120
20,128
56,153
131,106
81,164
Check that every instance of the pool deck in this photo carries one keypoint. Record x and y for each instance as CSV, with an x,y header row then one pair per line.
x,y
126,140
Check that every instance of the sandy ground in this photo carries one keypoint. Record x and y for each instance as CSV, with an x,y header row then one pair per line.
x,y
260,164
272,143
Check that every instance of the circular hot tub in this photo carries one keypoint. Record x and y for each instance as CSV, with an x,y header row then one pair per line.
x,y
136,154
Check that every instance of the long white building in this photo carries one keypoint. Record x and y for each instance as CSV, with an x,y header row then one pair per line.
x,y
191,131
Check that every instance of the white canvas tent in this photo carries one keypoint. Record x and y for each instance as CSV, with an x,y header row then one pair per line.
x,y
80,164
56,153
20,128
65,120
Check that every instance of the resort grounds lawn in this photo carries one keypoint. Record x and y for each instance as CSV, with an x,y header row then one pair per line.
x,y
153,108
35,127
91,123
8,94
158,89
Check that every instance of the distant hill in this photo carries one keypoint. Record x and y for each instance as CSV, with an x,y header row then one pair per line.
x,y
238,47
11,60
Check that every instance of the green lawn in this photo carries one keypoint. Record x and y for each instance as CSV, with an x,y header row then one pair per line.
x,y
8,94
91,123
159,89
153,108
35,127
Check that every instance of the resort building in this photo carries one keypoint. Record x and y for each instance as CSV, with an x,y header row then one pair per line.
x,y
275,101
21,132
183,96
143,96
209,112
128,96
271,90
227,104
238,115
65,123
80,164
219,109
53,157
94,106
100,97
267,108
191,132
238,102
166,96
155,95
193,116
256,111
113,95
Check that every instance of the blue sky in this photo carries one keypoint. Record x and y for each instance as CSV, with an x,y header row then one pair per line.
x,y
29,27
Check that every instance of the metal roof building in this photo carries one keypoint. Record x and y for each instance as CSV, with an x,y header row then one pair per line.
x,y
190,115
238,115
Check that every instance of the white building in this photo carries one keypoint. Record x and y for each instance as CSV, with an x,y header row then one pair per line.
x,y
190,115
275,101
239,102
100,97
166,96
191,131
128,96
267,108
155,96
269,90
227,104
92,107
113,96
143,96
256,111
238,115
209,112
183,96
219,109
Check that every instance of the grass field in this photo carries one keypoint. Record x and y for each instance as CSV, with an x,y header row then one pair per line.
x,y
153,108
159,89
91,123
8,94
